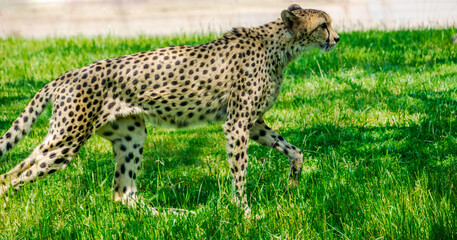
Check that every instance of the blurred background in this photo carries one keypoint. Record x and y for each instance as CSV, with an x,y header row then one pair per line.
x,y
61,18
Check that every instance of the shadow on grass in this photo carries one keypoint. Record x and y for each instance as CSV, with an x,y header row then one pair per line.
x,y
183,166
422,148
431,138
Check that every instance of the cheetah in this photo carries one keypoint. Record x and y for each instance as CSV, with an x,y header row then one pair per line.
x,y
235,79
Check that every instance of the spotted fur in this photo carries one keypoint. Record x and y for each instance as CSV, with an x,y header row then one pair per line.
x,y
235,79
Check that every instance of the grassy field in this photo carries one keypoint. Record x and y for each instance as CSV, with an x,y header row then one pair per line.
x,y
376,119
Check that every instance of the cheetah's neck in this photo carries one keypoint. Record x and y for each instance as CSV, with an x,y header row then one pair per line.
x,y
281,47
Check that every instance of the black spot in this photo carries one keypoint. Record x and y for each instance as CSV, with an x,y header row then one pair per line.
x,y
59,160
123,148
108,133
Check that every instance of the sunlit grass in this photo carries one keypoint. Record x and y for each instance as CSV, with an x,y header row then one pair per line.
x,y
376,119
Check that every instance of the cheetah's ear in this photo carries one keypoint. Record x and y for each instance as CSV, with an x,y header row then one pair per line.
x,y
294,7
289,20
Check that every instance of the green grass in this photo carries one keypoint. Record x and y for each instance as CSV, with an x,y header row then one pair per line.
x,y
376,119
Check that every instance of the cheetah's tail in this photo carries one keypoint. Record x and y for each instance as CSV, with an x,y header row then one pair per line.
x,y
24,122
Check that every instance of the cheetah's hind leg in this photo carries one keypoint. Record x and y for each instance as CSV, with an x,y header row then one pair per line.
x,y
127,135
53,154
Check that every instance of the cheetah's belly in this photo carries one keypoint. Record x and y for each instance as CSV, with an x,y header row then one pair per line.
x,y
187,118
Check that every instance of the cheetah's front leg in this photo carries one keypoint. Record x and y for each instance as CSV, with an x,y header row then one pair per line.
x,y
264,135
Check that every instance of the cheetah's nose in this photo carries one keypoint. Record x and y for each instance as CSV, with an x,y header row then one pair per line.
x,y
336,39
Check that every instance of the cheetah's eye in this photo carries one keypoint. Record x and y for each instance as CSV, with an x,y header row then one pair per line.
x,y
324,25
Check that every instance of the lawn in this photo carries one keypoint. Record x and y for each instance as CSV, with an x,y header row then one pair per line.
x,y
375,118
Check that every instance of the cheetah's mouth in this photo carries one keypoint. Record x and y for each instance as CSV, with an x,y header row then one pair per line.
x,y
327,46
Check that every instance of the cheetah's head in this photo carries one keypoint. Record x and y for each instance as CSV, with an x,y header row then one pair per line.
x,y
310,28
